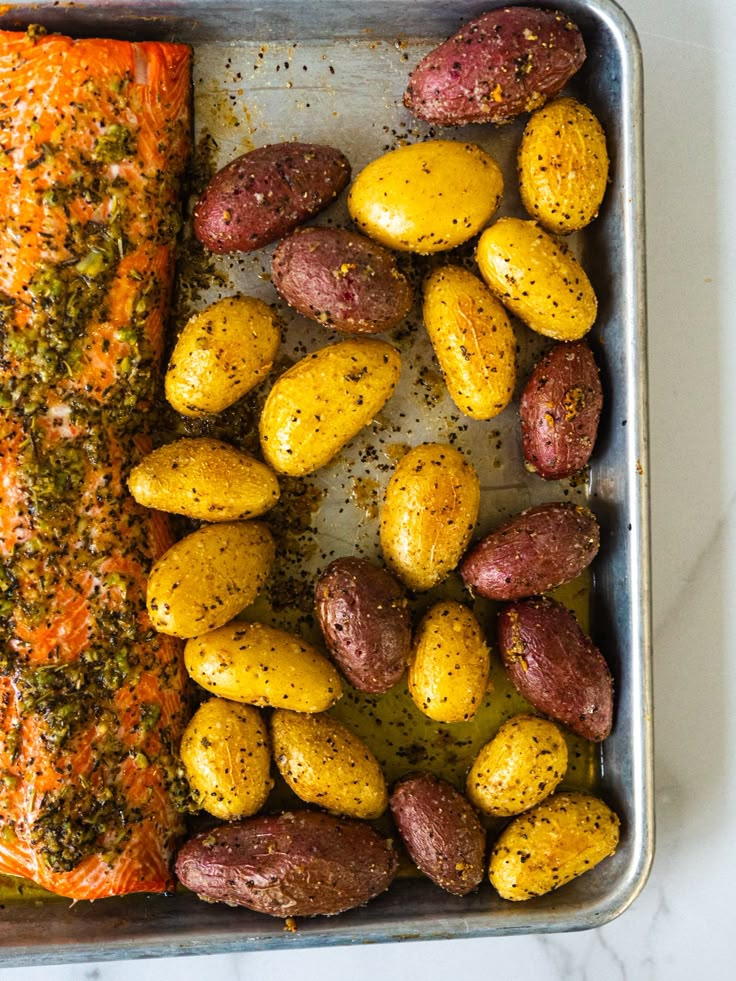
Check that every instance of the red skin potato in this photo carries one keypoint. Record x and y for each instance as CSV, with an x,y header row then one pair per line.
x,y
263,195
441,831
560,410
341,279
506,62
534,551
365,620
556,667
301,863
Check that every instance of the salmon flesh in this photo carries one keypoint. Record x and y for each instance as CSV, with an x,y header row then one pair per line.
x,y
94,141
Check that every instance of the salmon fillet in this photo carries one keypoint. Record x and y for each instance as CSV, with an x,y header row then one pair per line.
x,y
94,139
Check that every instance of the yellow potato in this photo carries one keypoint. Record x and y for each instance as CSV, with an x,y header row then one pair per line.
x,y
222,353
227,759
205,579
428,514
204,479
426,197
537,278
450,664
521,766
326,764
324,400
473,340
255,663
563,166
557,840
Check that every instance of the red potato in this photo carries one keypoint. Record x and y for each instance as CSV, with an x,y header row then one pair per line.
x,y
560,410
341,279
506,62
534,551
556,667
302,863
441,831
364,616
263,195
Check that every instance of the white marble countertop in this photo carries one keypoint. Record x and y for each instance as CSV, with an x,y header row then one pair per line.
x,y
681,927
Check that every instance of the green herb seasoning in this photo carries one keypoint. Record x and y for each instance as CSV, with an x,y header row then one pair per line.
x,y
97,210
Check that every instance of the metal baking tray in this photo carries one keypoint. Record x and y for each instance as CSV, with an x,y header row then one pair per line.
x,y
333,71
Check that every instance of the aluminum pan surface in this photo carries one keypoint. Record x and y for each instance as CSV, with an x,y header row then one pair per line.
x,y
369,71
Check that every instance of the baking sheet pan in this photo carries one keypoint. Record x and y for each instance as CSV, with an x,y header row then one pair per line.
x,y
334,72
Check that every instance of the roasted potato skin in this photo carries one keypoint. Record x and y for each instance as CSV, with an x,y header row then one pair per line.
x,y
558,840
208,577
560,410
428,515
341,279
562,165
426,197
326,764
204,479
324,400
556,667
450,663
534,551
263,195
503,63
226,755
537,278
441,832
221,354
300,863
261,665
473,341
364,616
522,765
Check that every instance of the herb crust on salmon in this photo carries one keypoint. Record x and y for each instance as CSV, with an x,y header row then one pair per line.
x,y
94,141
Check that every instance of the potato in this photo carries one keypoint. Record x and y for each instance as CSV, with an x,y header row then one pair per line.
x,y
537,279
560,409
450,664
521,766
324,400
324,763
563,166
203,580
364,617
505,62
426,197
473,340
204,479
556,667
301,863
262,665
428,514
263,195
227,759
532,552
441,832
222,353
553,843
342,280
